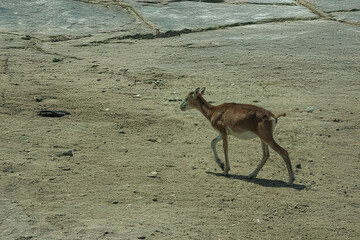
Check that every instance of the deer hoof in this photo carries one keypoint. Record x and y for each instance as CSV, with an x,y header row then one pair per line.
x,y
226,171
222,166
290,183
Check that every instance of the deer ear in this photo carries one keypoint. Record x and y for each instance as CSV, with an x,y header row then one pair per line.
x,y
196,92
202,91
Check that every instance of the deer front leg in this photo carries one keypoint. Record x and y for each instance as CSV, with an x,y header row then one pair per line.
x,y
225,145
216,156
265,149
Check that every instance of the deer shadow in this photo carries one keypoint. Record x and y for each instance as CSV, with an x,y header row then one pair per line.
x,y
261,181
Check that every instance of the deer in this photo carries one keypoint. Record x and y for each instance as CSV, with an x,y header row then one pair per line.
x,y
244,121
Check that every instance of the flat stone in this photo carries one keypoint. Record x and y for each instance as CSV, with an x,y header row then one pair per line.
x,y
335,5
272,2
54,17
177,16
350,17
53,113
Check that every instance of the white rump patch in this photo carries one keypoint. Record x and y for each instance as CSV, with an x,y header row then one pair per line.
x,y
273,124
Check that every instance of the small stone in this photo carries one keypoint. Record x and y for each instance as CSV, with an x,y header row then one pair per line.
x,y
53,113
136,96
298,166
311,160
38,99
141,237
310,109
153,174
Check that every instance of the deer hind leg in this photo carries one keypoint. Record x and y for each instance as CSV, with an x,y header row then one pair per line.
x,y
225,146
265,157
266,135
284,154
216,156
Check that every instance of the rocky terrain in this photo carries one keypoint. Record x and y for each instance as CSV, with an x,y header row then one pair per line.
x,y
121,161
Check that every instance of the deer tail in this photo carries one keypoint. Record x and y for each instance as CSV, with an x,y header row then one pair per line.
x,y
280,115
277,116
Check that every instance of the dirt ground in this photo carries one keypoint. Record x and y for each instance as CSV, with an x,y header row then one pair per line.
x,y
125,122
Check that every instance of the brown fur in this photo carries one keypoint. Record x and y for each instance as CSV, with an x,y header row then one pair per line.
x,y
240,118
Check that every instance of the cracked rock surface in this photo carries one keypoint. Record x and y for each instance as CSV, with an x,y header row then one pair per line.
x,y
127,163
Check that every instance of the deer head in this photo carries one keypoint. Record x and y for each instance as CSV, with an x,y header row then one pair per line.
x,y
190,101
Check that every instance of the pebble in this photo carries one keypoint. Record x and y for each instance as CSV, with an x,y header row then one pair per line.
x,y
136,96
153,174
141,237
158,140
53,113
38,99
310,109
298,166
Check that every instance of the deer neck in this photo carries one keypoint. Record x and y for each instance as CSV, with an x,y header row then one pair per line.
x,y
204,107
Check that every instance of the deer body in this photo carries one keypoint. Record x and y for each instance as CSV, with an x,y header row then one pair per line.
x,y
243,121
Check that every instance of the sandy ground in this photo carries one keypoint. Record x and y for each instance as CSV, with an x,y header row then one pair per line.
x,y
125,122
